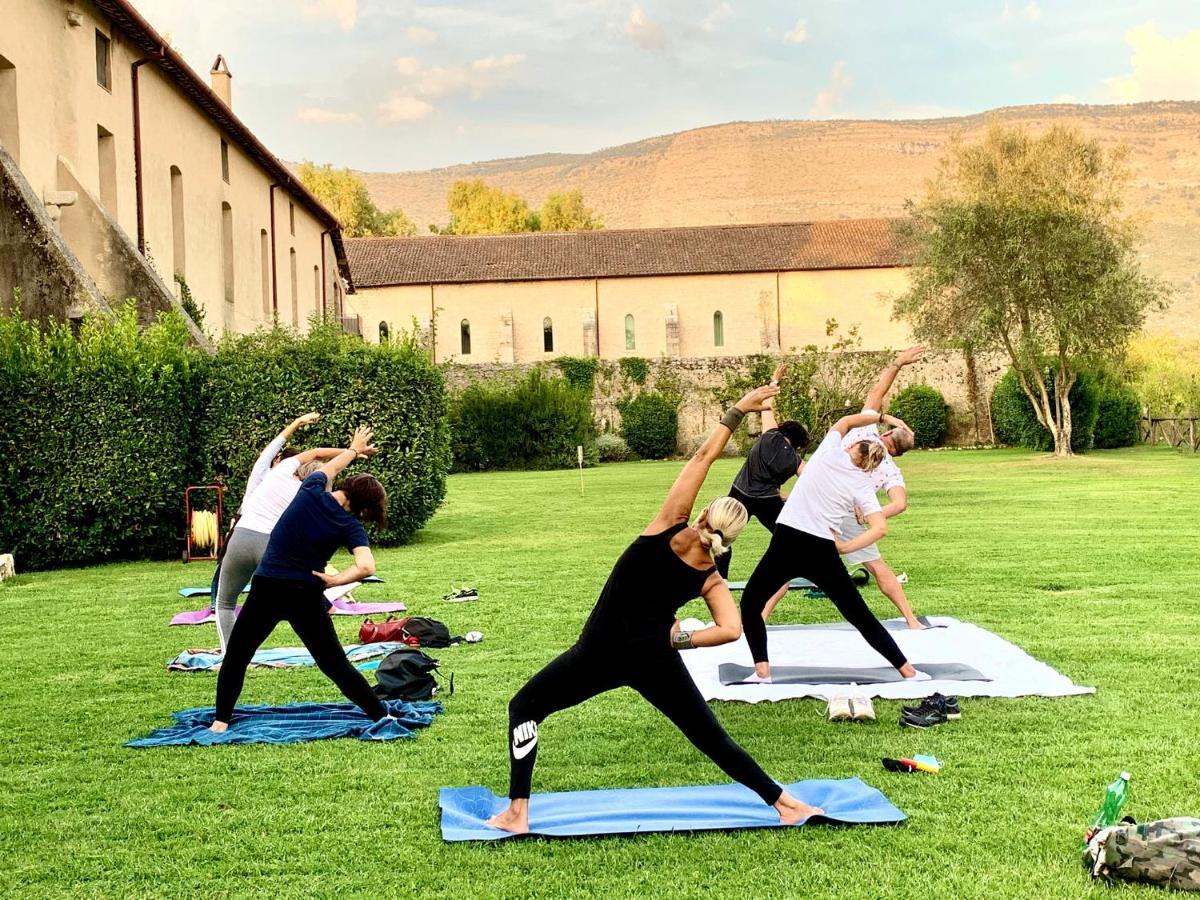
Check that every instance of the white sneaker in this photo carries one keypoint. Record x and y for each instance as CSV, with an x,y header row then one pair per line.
x,y
861,707
839,708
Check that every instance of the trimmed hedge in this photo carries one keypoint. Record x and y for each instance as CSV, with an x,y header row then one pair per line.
x,y
649,424
612,448
534,423
106,430
1016,423
925,411
1118,416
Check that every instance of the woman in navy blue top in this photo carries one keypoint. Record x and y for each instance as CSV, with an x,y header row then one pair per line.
x,y
290,581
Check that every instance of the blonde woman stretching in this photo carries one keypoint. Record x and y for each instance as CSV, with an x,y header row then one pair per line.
x,y
632,637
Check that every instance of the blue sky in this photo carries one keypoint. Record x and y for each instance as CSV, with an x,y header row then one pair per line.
x,y
392,85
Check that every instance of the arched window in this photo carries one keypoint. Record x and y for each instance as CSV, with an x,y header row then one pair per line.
x,y
464,332
384,332
547,335
718,329
629,341
178,244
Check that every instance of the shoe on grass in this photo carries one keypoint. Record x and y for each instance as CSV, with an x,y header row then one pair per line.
x,y
839,708
861,707
462,595
948,705
929,719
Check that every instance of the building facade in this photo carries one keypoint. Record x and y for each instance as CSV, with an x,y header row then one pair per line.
x,y
94,103
699,292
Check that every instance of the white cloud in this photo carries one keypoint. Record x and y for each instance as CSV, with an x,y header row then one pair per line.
x,y
319,116
830,97
403,108
644,31
798,34
422,36
710,22
1032,12
476,78
1162,68
344,12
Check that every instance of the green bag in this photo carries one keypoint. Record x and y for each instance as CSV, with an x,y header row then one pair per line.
x,y
1166,853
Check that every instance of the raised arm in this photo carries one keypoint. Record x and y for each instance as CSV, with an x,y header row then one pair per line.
x,y
262,465
888,376
768,413
682,496
321,453
843,425
360,445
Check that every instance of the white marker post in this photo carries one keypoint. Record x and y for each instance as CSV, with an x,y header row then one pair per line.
x,y
579,456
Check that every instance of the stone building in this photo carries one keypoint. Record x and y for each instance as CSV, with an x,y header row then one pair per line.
x,y
712,291
122,170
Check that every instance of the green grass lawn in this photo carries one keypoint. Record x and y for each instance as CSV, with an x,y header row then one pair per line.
x,y
1089,565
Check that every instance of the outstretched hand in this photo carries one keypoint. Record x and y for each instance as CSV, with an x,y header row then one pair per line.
x,y
361,441
780,371
757,399
306,419
910,356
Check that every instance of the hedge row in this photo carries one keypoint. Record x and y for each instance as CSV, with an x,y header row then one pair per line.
x,y
105,430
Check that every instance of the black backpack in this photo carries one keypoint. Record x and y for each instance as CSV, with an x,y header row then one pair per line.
x,y
407,674
424,632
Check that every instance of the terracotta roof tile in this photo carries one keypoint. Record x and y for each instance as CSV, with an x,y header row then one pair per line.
x,y
712,249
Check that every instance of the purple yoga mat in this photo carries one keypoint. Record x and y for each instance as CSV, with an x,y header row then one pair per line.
x,y
340,608
198,616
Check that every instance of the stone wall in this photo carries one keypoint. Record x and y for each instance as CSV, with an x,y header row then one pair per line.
x,y
701,381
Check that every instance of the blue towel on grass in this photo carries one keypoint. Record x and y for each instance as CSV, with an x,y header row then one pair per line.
x,y
847,801
278,657
291,724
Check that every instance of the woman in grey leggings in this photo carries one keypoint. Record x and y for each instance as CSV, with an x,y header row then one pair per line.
x,y
267,496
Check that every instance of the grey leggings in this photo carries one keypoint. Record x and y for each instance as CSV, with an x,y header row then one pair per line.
x,y
242,555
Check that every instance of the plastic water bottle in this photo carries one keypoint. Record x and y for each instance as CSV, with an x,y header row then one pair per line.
x,y
1109,814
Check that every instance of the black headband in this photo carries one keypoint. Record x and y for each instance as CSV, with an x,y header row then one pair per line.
x,y
720,532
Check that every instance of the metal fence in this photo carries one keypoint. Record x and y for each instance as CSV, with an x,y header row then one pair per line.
x,y
1181,433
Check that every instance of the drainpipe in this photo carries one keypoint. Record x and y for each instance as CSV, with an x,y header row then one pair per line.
x,y
433,330
778,316
137,155
323,233
274,268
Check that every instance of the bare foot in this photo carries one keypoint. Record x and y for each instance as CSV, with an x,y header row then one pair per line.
x,y
914,625
514,819
218,727
792,810
762,670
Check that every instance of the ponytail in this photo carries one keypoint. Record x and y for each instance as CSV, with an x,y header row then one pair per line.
x,y
725,521
872,454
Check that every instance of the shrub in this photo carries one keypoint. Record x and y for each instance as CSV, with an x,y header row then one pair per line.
x,y
1117,416
580,371
635,369
925,411
534,423
612,448
649,423
1166,374
256,384
1016,423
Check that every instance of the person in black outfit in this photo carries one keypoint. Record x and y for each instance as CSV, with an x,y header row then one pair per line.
x,y
290,581
632,637
775,457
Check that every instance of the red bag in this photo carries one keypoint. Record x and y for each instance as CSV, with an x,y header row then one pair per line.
x,y
378,632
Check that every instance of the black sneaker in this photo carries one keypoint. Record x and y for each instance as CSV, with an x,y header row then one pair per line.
x,y
948,705
926,719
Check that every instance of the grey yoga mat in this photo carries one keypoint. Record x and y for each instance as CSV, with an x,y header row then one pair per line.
x,y
889,624
731,673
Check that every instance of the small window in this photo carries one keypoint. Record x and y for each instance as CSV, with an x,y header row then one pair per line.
x,y
227,249
547,335
464,333
630,344
718,329
384,332
292,216
103,61
264,264
225,162
295,290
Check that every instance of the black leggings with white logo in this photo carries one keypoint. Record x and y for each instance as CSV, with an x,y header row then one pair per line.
x,y
659,676
797,554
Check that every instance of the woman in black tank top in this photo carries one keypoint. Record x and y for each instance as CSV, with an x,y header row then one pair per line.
x,y
632,638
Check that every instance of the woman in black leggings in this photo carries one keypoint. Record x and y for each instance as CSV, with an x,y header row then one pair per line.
x,y
632,637
290,580
806,541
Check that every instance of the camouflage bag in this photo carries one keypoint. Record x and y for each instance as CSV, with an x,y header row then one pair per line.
x,y
1166,853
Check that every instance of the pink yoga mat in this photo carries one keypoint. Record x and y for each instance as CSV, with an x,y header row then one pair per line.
x,y
340,608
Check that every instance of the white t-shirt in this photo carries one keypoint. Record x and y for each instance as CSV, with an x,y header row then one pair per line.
x,y
887,474
262,508
830,486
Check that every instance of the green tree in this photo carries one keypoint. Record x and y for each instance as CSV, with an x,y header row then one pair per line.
x,y
477,207
346,196
567,212
1021,246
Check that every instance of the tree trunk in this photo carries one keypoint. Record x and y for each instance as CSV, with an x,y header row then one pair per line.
x,y
1062,430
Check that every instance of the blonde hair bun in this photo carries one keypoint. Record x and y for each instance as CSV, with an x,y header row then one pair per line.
x,y
726,519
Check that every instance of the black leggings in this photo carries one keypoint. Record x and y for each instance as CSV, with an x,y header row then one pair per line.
x,y
660,677
301,605
797,554
765,509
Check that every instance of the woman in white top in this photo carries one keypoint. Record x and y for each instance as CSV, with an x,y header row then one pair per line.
x,y
807,540
273,484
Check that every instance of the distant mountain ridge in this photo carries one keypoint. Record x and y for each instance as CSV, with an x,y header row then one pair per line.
x,y
797,170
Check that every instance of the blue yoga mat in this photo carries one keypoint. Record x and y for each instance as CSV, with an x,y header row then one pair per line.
x,y
277,657
848,801
291,724
206,591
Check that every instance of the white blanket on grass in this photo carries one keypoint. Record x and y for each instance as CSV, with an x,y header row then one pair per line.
x,y
1013,672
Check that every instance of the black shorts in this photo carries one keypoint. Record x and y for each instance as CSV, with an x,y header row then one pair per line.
x,y
765,509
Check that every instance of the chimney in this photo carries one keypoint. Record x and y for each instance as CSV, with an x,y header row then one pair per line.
x,y
222,81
